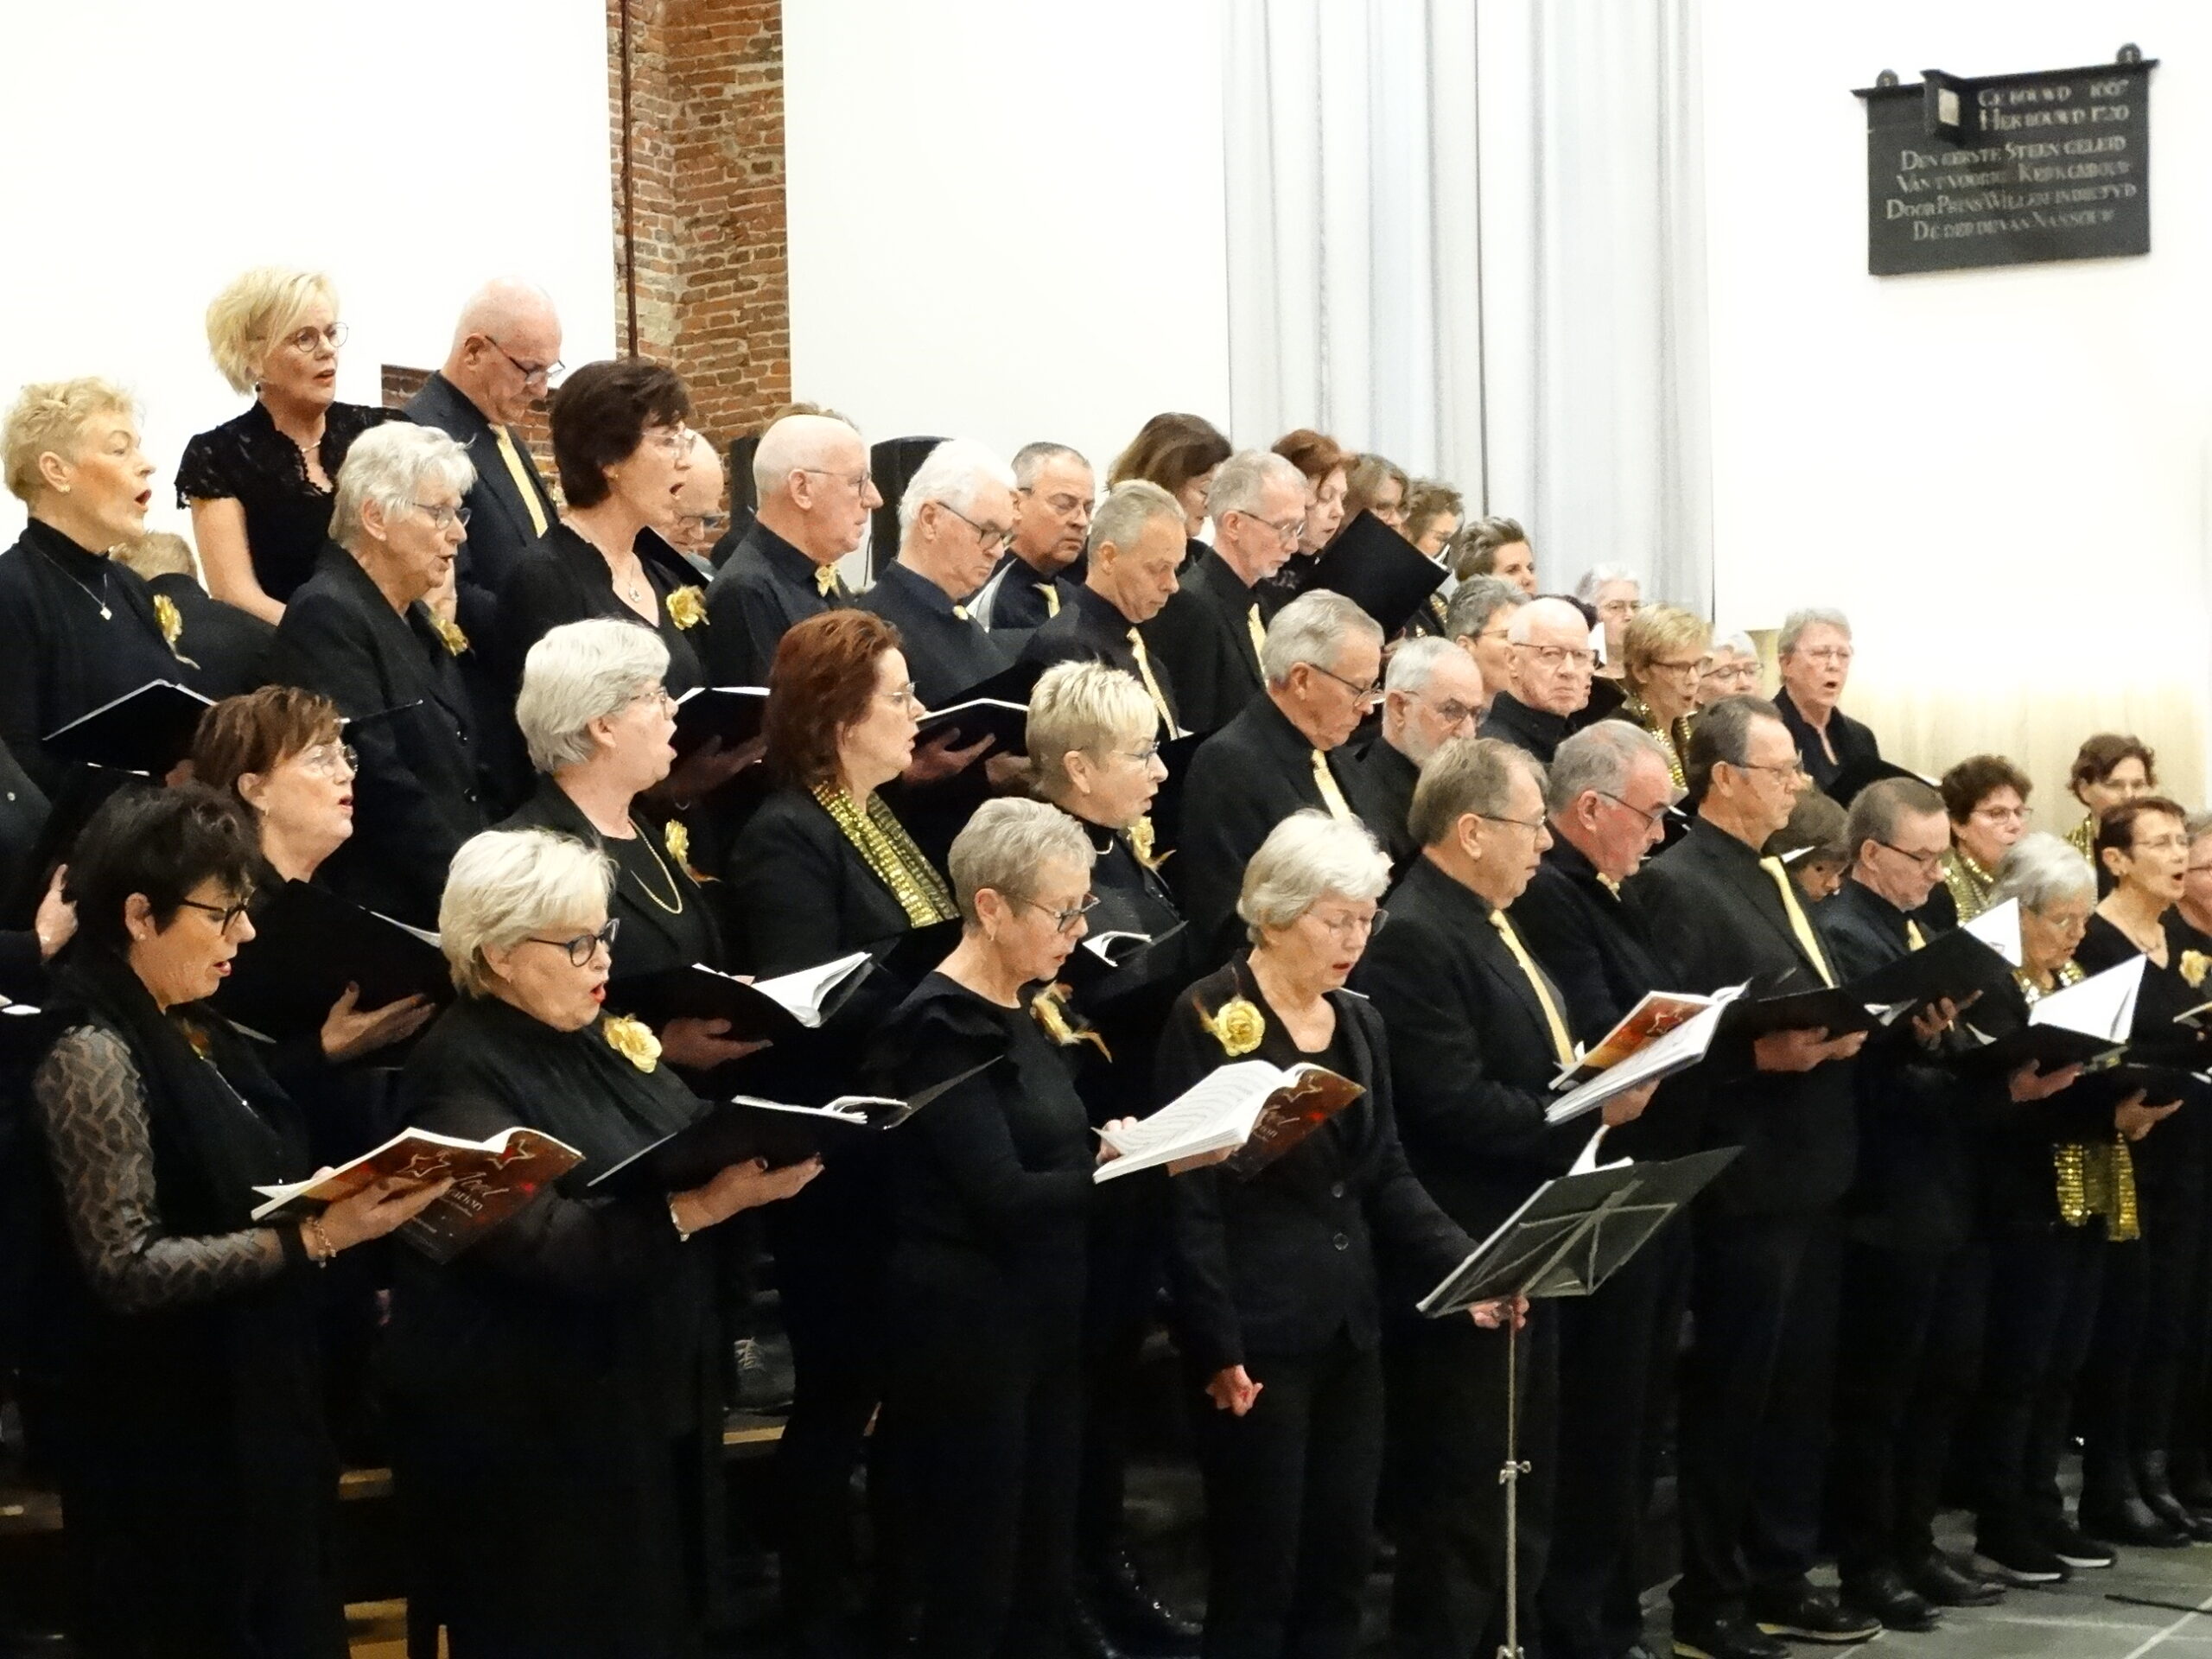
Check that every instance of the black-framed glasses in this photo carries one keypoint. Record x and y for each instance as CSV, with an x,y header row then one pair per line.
x,y
442,515
1925,862
1368,695
227,915
1063,921
1654,819
1558,657
584,946
991,540
544,373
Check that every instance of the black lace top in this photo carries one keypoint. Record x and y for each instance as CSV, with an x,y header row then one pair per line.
x,y
286,518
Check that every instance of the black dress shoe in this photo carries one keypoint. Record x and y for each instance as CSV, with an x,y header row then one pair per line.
x,y
1940,1584
2129,1522
1884,1595
1087,1637
1725,1637
1135,1618
1804,1614
2151,1480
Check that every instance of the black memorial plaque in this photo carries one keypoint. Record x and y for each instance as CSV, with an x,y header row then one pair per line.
x,y
2008,169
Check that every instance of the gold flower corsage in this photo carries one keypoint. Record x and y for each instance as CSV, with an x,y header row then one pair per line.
x,y
632,1039
171,618
1236,1025
2193,966
1050,1009
1141,842
450,631
676,837
687,607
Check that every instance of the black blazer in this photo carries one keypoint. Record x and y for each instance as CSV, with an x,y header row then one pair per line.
x,y
1472,1059
1388,775
804,891
1131,899
418,796
1717,919
1244,779
1018,598
1853,742
228,647
1089,630
561,578
499,525
1204,637
1528,729
1282,1261
2172,1155
1593,944
765,586
2018,1188
947,649
1919,1123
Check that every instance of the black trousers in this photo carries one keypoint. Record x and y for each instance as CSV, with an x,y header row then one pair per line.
x,y
2042,1309
1447,1382
1755,1393
1907,1358
1290,1504
1127,1250
987,1438
2132,1376
1618,1351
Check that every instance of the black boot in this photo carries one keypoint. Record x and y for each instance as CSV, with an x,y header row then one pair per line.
x,y
2151,1480
1132,1614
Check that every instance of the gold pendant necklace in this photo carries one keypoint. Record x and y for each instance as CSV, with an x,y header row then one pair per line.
x,y
675,893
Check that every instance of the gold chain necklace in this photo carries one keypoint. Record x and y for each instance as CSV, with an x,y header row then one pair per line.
x,y
890,853
674,892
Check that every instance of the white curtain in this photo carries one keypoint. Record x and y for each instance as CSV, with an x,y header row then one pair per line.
x,y
1471,238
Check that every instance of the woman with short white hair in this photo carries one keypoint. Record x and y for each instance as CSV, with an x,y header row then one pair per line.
x,y
78,629
595,712
556,1419
359,632
983,1294
1278,1295
260,484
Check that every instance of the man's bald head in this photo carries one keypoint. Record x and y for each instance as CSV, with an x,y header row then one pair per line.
x,y
1552,659
810,473
504,345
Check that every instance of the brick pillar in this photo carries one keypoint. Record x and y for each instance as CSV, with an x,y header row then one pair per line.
x,y
707,163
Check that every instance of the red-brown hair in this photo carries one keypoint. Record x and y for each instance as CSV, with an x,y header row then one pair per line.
x,y
1170,450
259,732
822,680
1314,453
2100,754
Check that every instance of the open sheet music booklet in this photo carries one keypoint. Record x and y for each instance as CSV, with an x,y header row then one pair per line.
x,y
2086,1025
1667,1032
1260,1109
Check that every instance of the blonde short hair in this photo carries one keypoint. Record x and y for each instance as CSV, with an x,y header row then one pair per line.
x,y
1305,859
257,310
48,419
1086,706
580,672
1004,845
156,553
505,885
1657,628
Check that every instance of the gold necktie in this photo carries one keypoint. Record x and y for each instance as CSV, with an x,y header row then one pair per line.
x,y
1800,923
1051,592
1151,685
825,580
1560,1046
1913,939
520,473
1259,634
1332,797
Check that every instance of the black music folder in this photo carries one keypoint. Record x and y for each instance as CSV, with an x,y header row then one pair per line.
x,y
147,731
1379,570
308,945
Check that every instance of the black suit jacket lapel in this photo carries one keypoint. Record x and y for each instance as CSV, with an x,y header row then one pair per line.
x,y
1756,884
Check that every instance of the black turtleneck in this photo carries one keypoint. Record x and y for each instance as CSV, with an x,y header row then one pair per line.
x,y
1526,728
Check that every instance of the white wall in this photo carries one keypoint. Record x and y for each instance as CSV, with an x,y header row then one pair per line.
x,y
410,148
1006,216
2000,474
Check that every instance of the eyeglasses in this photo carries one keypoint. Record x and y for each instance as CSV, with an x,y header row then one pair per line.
x,y
2005,814
441,516
1366,696
228,915
584,946
1827,656
1532,825
1063,921
657,694
902,699
1581,661
1293,531
1795,769
1733,673
1681,670
308,341
331,759
1652,818
1926,863
859,483
542,374
991,538
670,441
1144,755
1452,712
1358,922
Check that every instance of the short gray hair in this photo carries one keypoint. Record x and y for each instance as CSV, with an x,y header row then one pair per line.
x,y
580,672
1243,479
1598,576
1476,601
1738,642
389,465
1413,664
1813,616
1600,757
1030,459
1307,857
1313,628
1468,774
1003,846
1129,507
1086,706
505,885
952,473
2043,870
796,443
